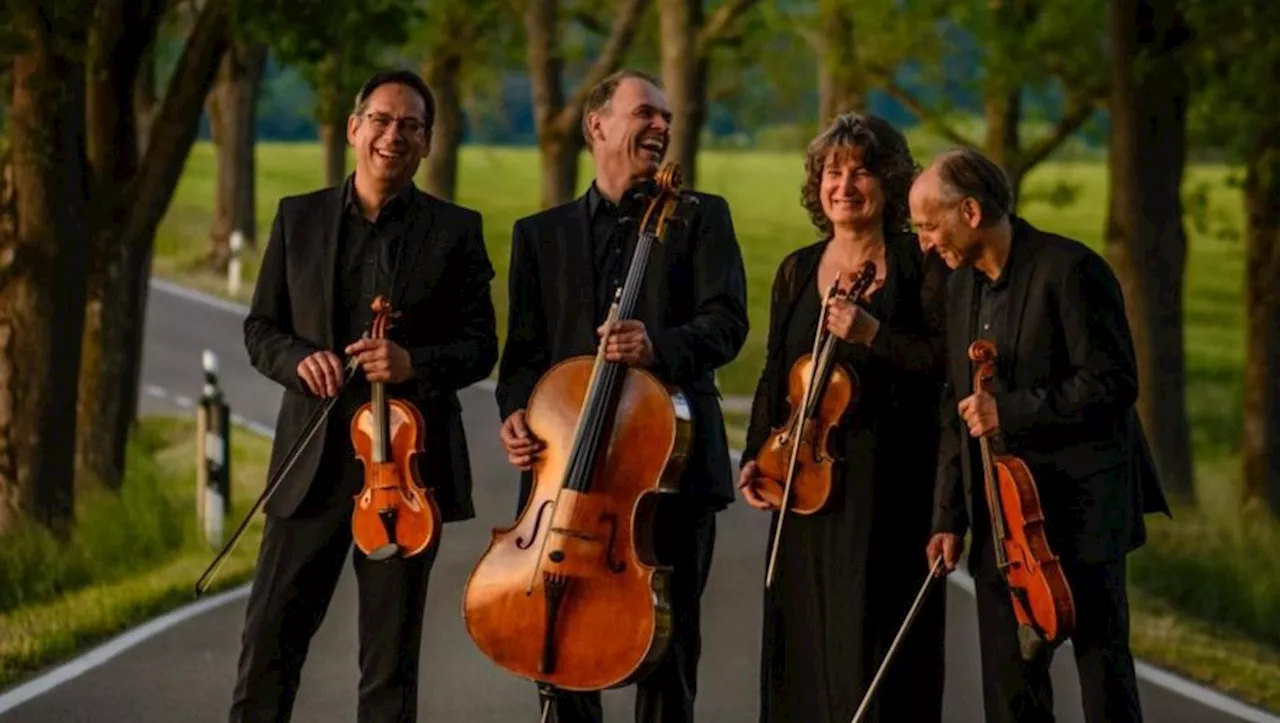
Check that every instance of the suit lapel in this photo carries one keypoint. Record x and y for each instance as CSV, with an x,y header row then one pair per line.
x,y
417,248
332,215
1019,284
580,263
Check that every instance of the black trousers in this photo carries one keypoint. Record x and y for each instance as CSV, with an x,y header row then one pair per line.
x,y
1015,691
686,538
298,567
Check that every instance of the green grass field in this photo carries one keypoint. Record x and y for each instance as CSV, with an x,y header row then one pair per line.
x,y
1207,599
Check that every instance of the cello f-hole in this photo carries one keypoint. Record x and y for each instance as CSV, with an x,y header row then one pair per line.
x,y
523,544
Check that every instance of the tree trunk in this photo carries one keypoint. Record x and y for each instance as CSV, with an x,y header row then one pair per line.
x,y
331,117
559,154
232,118
1003,113
841,83
145,101
333,141
42,274
1261,448
1145,238
113,332
684,75
558,121
442,75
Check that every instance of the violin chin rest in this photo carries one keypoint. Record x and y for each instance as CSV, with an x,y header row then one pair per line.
x,y
1029,643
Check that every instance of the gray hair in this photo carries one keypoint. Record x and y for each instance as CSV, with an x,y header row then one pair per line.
x,y
967,173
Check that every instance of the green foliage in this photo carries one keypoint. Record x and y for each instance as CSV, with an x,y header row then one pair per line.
x,y
488,37
307,31
114,534
1233,64
335,44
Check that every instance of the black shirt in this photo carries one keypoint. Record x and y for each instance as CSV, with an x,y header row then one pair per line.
x,y
612,244
367,257
367,253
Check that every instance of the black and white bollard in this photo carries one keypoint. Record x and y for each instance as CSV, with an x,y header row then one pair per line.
x,y
233,263
213,458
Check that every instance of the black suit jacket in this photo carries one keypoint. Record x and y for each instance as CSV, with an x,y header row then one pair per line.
x,y
1068,407
446,323
693,305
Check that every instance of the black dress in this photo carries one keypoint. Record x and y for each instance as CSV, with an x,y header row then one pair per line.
x,y
846,577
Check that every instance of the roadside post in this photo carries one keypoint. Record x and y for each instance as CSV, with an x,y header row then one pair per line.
x,y
213,459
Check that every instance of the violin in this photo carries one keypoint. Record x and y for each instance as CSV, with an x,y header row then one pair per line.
x,y
794,463
545,599
394,512
1042,600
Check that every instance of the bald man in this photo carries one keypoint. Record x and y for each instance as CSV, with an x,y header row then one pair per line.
x,y
1066,382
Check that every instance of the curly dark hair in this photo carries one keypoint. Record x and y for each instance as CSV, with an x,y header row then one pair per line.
x,y
884,152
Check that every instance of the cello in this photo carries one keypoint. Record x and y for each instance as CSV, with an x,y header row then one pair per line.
x,y
545,599
1041,595
794,463
394,512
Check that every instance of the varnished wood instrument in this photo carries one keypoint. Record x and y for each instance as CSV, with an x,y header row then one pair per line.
x,y
395,514
571,595
1041,595
794,463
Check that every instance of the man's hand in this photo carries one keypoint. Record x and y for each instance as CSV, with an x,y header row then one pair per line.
x,y
979,412
747,483
522,447
628,342
382,360
851,322
947,545
322,373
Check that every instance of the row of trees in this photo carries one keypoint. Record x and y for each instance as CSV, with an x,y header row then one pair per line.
x,y
96,139
1166,76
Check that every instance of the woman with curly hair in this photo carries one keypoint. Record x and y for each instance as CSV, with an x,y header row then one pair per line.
x,y
846,577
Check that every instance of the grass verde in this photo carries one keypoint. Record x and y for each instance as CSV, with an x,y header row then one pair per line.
x,y
1206,589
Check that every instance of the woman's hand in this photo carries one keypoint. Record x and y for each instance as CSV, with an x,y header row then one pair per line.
x,y
851,322
747,483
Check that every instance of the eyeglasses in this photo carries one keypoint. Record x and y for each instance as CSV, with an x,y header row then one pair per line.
x,y
408,125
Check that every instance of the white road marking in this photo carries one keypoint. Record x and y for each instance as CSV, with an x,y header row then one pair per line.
x,y
101,654
98,656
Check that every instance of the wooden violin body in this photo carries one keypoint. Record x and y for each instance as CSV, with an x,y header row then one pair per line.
x,y
572,595
1041,595
819,392
394,512
812,483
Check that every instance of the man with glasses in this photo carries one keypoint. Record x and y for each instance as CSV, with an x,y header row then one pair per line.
x,y
331,252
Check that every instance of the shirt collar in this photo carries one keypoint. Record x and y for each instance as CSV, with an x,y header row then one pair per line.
x,y
597,202
393,207
1019,228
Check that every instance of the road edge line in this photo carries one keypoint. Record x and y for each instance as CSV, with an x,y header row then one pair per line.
x,y
95,657
1156,676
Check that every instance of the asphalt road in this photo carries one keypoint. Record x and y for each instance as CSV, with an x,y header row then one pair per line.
x,y
185,672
